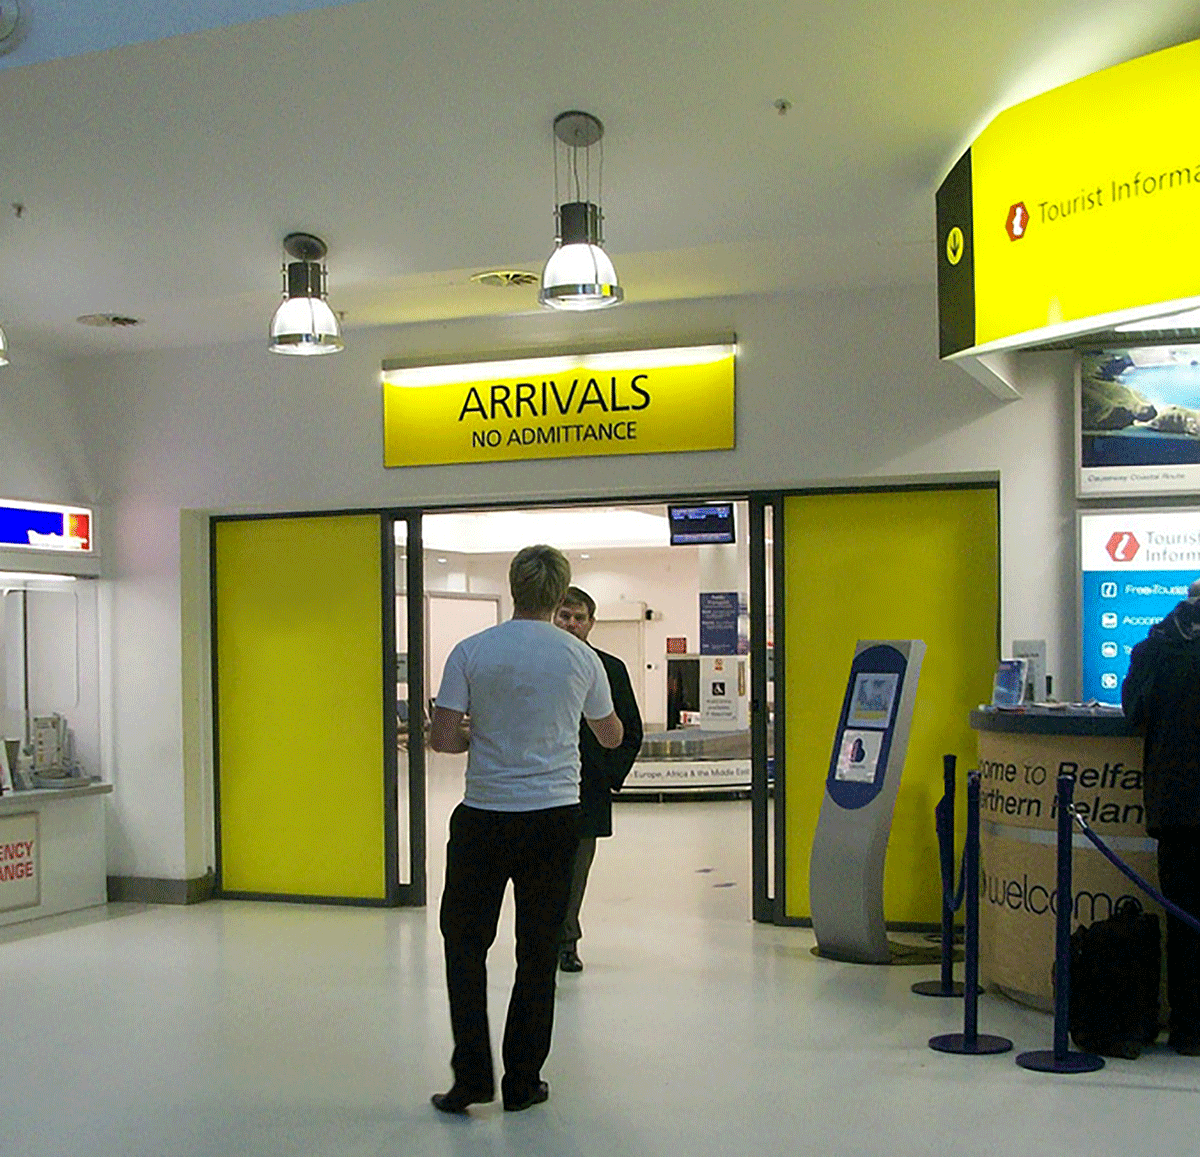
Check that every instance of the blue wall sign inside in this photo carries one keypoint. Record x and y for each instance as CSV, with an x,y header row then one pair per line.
x,y
1135,567
718,622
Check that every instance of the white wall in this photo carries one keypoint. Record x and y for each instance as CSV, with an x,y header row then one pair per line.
x,y
830,387
42,456
1030,443
664,578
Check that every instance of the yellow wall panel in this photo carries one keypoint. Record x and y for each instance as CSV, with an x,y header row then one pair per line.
x,y
917,564
299,645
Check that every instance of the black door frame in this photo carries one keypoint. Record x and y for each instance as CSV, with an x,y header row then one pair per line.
x,y
413,893
765,900
772,907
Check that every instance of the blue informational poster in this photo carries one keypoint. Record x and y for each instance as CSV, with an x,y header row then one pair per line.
x,y
718,622
1136,565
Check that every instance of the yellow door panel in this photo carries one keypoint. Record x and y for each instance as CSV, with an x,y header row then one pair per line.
x,y
913,564
299,644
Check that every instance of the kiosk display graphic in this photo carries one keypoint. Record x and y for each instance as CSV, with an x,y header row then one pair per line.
x,y
859,756
850,845
874,695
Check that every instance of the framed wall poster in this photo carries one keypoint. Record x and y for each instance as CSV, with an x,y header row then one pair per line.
x,y
1137,414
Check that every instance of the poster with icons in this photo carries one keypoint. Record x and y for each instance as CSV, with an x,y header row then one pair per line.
x,y
1135,565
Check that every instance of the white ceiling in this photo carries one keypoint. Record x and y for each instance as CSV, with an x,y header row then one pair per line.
x,y
158,179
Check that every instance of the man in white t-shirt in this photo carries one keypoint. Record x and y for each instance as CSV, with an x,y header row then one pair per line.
x,y
524,684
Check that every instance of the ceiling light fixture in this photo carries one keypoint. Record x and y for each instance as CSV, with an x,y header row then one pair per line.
x,y
579,274
304,323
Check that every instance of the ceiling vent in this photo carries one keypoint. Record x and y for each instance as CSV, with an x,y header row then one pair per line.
x,y
108,320
506,278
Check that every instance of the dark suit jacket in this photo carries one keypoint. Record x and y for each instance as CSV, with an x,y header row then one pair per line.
x,y
1162,695
602,769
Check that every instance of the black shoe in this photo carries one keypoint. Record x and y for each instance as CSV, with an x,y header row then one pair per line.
x,y
456,1100
568,961
539,1093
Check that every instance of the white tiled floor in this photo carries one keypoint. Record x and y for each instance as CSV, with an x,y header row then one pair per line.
x,y
239,1029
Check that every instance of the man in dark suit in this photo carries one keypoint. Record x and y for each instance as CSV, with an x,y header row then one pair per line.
x,y
1161,695
602,770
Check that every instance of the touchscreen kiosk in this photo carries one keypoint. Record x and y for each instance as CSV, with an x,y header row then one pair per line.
x,y
846,869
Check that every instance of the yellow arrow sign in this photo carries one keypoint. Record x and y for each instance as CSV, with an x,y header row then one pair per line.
x,y
954,245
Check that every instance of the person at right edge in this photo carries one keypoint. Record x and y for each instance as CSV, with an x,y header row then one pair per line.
x,y
1161,695
602,770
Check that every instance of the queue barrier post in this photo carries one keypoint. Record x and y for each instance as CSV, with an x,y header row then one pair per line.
x,y
946,985
970,1042
1061,1059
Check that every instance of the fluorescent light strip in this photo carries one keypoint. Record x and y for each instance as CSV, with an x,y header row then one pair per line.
x,y
600,363
505,531
1188,319
1082,329
21,576
21,504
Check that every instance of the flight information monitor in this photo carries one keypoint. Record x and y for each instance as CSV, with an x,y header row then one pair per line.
x,y
711,522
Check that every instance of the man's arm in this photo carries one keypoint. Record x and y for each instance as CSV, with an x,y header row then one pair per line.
x,y
608,731
446,731
1137,685
621,760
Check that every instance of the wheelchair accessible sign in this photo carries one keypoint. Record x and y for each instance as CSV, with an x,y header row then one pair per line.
x,y
1135,566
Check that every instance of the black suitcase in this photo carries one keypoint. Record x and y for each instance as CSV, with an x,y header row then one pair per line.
x,y
1115,975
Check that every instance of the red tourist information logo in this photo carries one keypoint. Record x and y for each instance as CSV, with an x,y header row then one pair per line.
x,y
1122,546
1018,221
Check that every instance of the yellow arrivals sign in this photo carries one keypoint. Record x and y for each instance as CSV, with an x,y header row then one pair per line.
x,y
635,402
1076,209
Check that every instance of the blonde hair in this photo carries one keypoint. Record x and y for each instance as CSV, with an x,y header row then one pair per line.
x,y
538,577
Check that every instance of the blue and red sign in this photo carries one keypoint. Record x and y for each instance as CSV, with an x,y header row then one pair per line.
x,y
34,525
1135,566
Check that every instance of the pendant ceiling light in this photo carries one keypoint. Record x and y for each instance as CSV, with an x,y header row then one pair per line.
x,y
304,323
579,274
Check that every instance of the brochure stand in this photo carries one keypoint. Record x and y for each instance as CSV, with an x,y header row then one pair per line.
x,y
846,868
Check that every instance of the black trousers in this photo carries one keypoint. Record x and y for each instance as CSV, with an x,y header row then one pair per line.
x,y
487,849
572,931
1179,875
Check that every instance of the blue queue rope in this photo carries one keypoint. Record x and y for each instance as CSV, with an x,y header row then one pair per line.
x,y
970,1042
943,816
1061,1059
962,882
1154,894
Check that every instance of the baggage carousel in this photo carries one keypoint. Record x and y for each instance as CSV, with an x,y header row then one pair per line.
x,y
690,763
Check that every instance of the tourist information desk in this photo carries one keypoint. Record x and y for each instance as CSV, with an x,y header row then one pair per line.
x,y
1021,754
